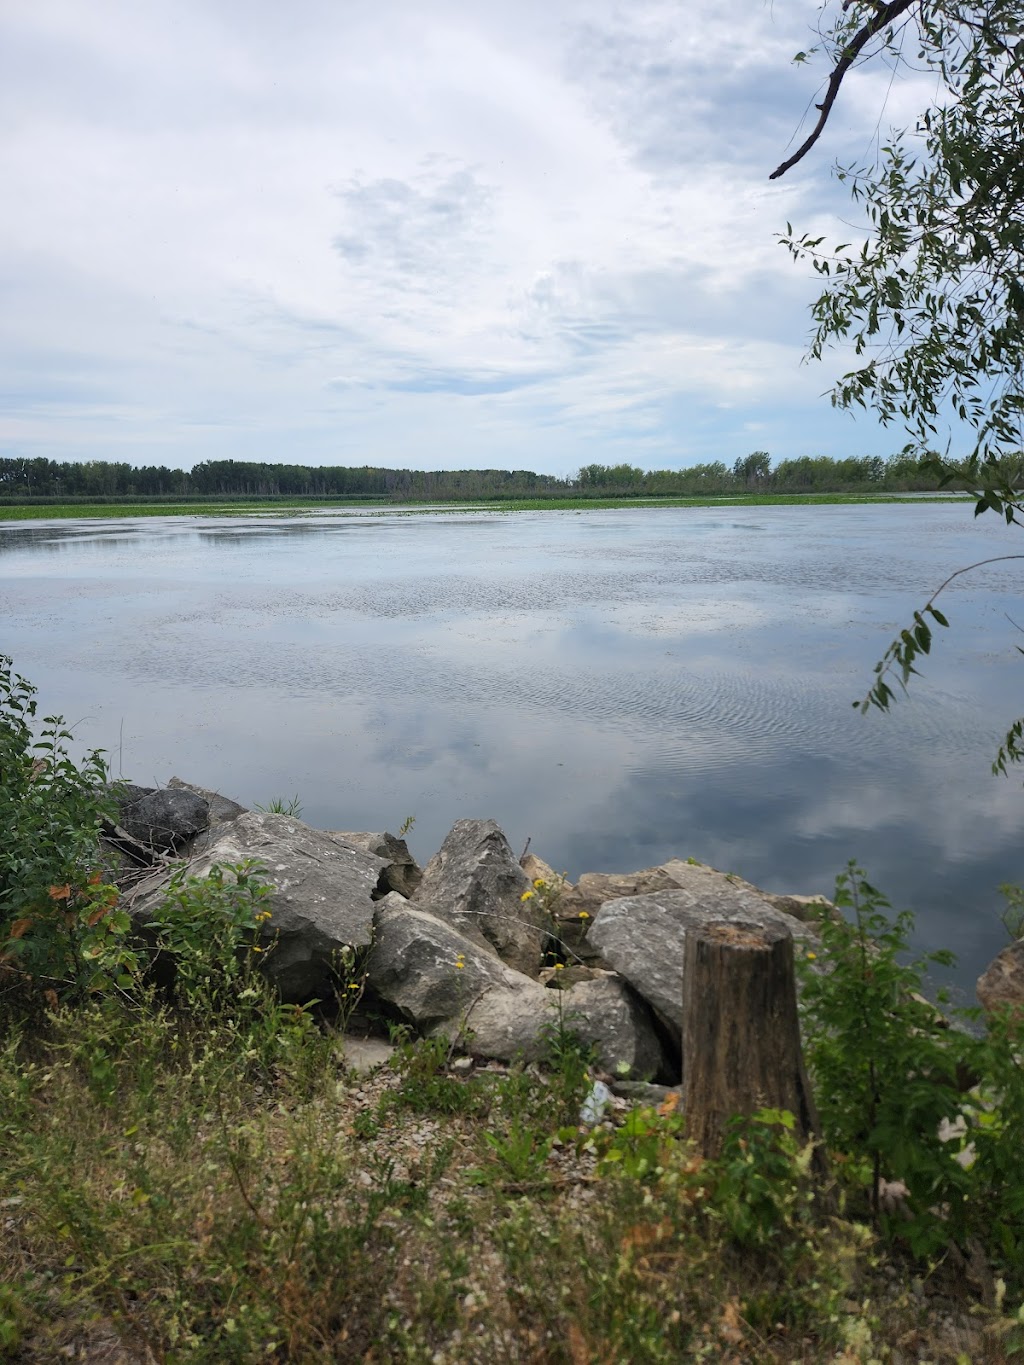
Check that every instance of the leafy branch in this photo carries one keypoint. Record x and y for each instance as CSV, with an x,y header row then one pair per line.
x,y
898,663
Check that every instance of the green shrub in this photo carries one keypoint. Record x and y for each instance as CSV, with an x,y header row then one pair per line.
x,y
61,930
909,1100
210,927
994,1128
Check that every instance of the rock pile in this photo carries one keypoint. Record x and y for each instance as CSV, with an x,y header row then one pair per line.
x,y
470,947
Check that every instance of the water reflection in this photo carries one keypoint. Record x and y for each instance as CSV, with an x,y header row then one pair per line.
x,y
620,686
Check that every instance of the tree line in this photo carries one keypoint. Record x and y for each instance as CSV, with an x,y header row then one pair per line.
x,y
31,479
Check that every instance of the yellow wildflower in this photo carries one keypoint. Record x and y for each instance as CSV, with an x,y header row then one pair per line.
x,y
584,914
559,966
526,896
811,957
539,883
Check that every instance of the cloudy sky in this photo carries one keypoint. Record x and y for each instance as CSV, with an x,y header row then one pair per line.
x,y
436,235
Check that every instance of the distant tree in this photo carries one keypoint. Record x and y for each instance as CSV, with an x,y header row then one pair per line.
x,y
755,470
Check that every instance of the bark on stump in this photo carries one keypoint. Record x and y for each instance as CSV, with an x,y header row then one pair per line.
x,y
741,1034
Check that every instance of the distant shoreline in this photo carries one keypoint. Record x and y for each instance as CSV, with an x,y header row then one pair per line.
x,y
287,506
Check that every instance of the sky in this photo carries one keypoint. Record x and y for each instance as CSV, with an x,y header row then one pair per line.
x,y
461,234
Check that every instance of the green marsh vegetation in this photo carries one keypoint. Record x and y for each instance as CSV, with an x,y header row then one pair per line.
x,y
195,1172
299,506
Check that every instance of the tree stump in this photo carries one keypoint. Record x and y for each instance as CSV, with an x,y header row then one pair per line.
x,y
741,1034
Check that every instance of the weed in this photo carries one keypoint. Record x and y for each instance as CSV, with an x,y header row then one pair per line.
x,y
520,1155
884,1060
279,805
426,1087
644,1146
366,1125
761,1186
349,973
569,1057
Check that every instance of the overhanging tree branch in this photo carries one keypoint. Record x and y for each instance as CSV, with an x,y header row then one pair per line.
x,y
898,660
931,301
883,16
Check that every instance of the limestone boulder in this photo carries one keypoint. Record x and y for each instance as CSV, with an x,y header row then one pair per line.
x,y
643,937
591,892
807,909
222,809
427,969
594,888
1002,982
475,884
804,908
612,1016
402,873
165,819
538,870
320,900
446,983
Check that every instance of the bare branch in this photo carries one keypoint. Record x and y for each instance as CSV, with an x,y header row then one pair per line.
x,y
883,16
996,559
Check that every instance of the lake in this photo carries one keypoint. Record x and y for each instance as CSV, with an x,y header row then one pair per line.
x,y
618,686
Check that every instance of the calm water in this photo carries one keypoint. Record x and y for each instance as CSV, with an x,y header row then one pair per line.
x,y
620,686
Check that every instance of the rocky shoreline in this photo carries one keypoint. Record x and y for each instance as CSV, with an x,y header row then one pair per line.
x,y
485,949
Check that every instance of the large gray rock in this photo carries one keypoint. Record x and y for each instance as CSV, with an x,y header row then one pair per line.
x,y
222,811
222,808
807,909
320,899
643,937
448,984
1002,982
610,1014
414,965
475,884
402,873
165,820
595,888
537,869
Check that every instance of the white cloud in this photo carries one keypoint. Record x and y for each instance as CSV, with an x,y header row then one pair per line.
x,y
424,236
